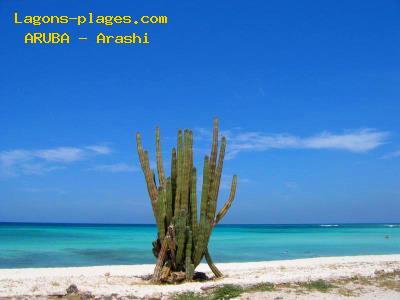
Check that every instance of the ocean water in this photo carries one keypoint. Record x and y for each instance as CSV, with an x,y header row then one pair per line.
x,y
57,245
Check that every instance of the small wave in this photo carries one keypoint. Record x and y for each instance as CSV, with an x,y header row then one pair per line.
x,y
329,225
392,225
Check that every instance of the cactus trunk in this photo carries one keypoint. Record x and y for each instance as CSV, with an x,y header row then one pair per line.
x,y
183,232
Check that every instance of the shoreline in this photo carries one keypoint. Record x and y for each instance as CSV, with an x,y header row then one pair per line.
x,y
127,280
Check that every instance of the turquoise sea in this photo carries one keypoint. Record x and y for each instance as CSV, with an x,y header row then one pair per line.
x,y
57,245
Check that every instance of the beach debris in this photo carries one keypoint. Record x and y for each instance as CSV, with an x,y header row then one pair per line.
x,y
145,277
113,296
86,295
379,272
183,234
200,276
72,289
208,287
177,277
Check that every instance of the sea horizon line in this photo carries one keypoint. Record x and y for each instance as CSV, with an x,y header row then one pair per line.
x,y
223,224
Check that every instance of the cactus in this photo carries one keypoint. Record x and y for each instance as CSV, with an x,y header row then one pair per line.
x,y
183,233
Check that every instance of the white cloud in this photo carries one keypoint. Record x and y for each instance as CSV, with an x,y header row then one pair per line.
x,y
8,158
100,149
29,162
34,168
62,154
357,141
115,168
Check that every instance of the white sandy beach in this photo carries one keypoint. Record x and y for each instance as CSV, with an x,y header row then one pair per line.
x,y
128,280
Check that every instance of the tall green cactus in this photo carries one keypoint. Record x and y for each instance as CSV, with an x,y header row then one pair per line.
x,y
183,235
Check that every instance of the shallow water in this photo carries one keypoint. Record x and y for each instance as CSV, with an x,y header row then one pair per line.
x,y
56,245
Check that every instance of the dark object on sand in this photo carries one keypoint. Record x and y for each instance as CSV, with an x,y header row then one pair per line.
x,y
72,289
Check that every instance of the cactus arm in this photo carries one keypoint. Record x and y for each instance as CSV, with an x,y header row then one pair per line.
x,y
203,234
191,147
160,213
212,205
161,258
213,197
160,169
228,203
169,203
186,173
144,162
193,204
218,218
202,228
210,263
180,226
214,147
173,176
188,256
219,168
213,161
179,173
205,187
139,148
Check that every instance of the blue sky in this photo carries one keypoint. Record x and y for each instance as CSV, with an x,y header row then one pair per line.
x,y
307,92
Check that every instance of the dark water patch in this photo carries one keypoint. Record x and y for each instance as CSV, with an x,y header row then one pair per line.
x,y
26,259
113,256
74,257
109,253
43,234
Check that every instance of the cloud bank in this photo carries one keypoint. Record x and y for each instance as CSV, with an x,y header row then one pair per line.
x,y
115,168
28,162
357,141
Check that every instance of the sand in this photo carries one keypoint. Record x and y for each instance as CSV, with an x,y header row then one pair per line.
x,y
127,280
